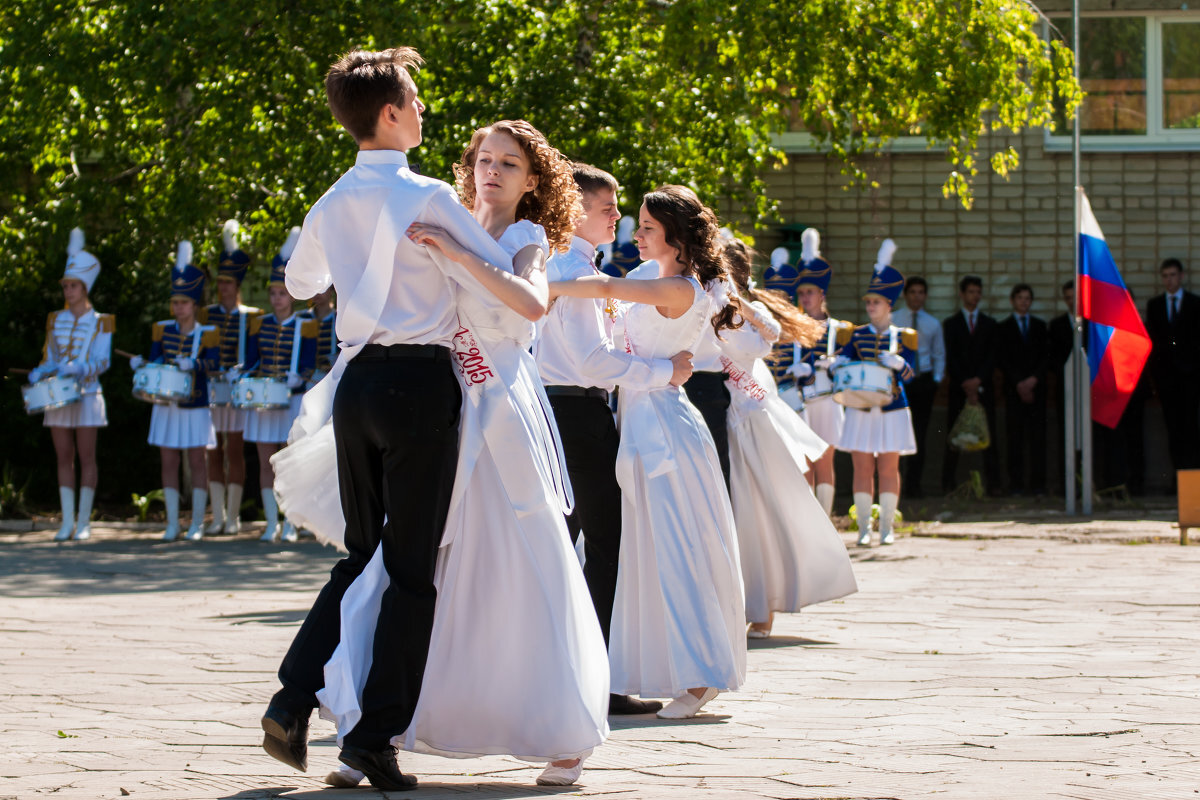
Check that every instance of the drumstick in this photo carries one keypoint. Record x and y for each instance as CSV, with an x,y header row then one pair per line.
x,y
124,354
19,371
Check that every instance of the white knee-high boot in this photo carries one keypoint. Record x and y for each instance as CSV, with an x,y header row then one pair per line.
x,y
862,509
83,524
171,499
233,509
887,516
199,503
217,492
66,496
825,497
271,512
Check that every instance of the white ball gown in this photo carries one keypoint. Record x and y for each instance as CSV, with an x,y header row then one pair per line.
x,y
517,664
791,554
678,619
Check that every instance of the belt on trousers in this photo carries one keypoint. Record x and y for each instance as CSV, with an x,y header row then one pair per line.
x,y
577,391
397,352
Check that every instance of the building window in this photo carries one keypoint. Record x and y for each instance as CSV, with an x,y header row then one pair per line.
x,y
1141,79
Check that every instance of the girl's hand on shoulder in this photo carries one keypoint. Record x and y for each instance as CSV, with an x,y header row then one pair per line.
x,y
420,233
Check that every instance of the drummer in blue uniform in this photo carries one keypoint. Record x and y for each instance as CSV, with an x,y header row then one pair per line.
x,y
231,318
186,424
878,436
810,365
783,277
78,347
275,352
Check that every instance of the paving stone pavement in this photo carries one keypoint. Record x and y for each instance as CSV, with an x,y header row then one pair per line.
x,y
964,668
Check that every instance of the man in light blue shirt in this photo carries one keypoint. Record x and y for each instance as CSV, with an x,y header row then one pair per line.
x,y
931,365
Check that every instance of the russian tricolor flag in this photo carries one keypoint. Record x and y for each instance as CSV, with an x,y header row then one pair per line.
x,y
1117,342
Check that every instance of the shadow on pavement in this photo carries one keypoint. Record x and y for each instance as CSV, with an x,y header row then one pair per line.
x,y
781,641
425,789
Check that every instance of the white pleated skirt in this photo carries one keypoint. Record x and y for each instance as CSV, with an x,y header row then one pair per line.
x,y
272,425
227,419
825,417
181,428
876,431
88,412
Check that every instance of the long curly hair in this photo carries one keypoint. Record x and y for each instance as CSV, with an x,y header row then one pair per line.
x,y
555,203
797,326
691,228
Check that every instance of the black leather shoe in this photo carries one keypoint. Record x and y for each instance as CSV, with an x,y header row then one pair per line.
x,y
623,704
286,737
379,766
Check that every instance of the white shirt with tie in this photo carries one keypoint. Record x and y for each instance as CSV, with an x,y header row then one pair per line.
x,y
931,345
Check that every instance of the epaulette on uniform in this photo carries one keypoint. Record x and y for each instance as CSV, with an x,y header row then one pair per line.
x,y
909,337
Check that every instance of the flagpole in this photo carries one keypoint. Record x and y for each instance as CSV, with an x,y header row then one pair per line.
x,y
1081,415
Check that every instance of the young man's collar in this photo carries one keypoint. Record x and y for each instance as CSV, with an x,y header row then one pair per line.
x,y
366,157
583,246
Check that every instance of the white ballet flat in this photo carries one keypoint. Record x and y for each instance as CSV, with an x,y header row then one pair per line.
x,y
344,778
888,538
64,532
289,532
83,533
233,527
215,527
194,534
171,533
560,776
864,538
271,536
687,705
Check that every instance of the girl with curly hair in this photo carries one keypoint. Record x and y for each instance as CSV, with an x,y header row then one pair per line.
x,y
678,624
514,626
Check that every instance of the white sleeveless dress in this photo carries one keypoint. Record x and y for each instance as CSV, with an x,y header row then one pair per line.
x,y
791,554
517,663
679,616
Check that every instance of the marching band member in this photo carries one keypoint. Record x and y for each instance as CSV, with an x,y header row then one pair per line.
x,y
324,311
187,424
231,319
78,345
783,277
283,345
877,437
821,413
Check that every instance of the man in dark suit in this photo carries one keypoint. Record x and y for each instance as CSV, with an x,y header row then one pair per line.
x,y
1022,352
970,363
1173,322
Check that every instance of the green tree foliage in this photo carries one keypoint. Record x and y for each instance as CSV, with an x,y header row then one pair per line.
x,y
147,121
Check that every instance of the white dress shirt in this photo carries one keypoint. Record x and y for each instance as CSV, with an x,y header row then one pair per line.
x,y
931,345
574,344
340,232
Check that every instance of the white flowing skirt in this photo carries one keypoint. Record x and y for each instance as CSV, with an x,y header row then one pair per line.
x,y
825,417
227,419
88,412
877,431
271,425
679,616
181,428
791,555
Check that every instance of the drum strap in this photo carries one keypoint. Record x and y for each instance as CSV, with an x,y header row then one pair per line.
x,y
295,344
195,341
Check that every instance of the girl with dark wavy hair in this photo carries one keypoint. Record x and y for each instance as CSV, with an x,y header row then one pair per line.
x,y
678,624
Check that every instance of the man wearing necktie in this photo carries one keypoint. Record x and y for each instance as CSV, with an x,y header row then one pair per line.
x,y
931,365
970,363
1173,322
1023,355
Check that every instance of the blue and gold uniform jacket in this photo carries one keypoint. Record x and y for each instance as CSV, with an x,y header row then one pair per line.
x,y
867,345
228,325
167,344
269,352
86,340
327,341
809,355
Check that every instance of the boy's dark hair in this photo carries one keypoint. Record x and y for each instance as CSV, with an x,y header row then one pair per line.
x,y
916,280
592,179
1021,287
1171,262
362,82
970,280
1068,285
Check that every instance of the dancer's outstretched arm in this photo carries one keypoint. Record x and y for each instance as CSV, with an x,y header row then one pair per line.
x,y
675,294
525,291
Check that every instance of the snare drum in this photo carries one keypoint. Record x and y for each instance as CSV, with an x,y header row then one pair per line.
x,y
161,384
862,384
261,393
48,393
821,386
220,391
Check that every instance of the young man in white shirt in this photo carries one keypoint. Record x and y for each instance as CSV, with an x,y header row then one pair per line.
x,y
931,365
396,407
580,367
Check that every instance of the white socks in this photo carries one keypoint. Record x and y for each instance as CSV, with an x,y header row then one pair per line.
x,y
271,512
887,516
825,497
199,503
83,527
171,498
217,492
862,509
66,496
233,508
